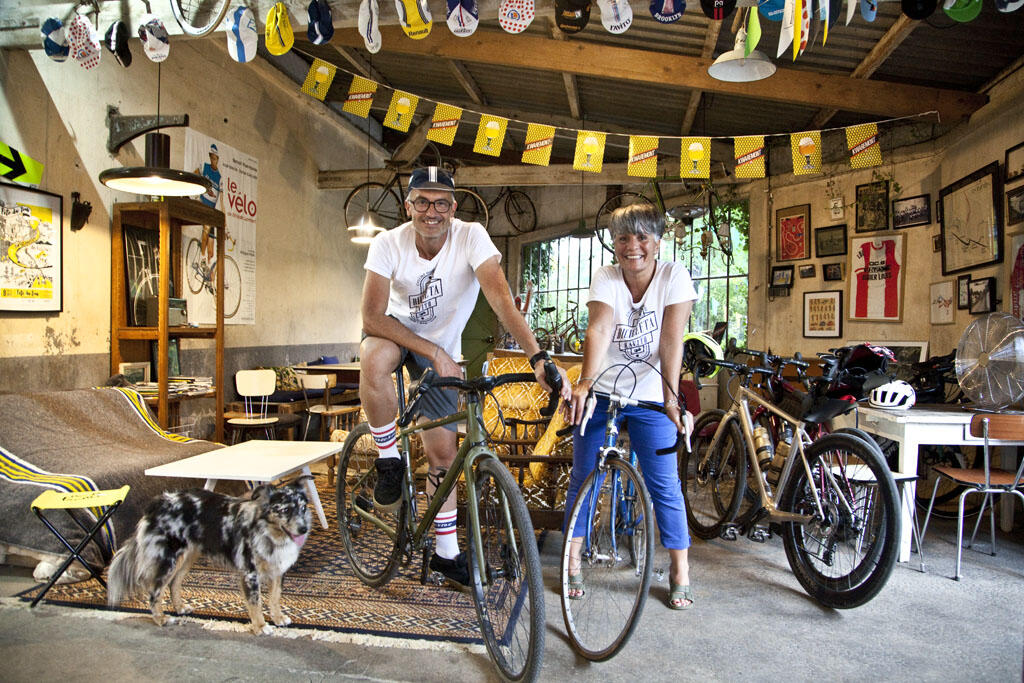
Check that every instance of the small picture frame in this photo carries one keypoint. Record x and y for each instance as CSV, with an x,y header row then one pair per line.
x,y
940,298
872,207
823,314
807,271
832,272
1015,206
911,211
782,276
982,294
1014,166
173,358
937,243
793,233
830,241
134,372
963,293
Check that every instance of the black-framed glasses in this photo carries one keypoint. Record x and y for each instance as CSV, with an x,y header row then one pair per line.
x,y
422,204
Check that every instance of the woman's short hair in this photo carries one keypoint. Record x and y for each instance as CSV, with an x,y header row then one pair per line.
x,y
637,219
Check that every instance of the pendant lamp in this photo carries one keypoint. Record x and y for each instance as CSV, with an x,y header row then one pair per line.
x,y
735,66
368,226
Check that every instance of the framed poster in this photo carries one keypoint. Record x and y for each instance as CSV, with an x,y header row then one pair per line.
x,y
906,213
983,295
832,271
823,314
830,241
1015,280
963,296
32,258
971,226
940,300
134,372
1015,206
782,276
793,233
873,206
1014,163
877,277
807,271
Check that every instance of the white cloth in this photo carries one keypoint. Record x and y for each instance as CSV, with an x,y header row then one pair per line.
x,y
636,336
433,298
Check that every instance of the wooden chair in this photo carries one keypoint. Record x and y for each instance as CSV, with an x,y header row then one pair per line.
x,y
255,387
341,417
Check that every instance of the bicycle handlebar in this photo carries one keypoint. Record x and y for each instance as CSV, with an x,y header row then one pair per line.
x,y
622,401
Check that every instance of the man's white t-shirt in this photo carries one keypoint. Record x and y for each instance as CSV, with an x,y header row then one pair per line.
x,y
636,336
433,298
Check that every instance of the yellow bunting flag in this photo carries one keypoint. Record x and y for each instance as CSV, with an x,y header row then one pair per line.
x,y
318,80
589,151
444,124
643,156
401,110
360,96
862,141
490,135
806,152
749,154
695,158
539,139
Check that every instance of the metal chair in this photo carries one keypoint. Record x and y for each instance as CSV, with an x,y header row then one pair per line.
x,y
255,388
988,480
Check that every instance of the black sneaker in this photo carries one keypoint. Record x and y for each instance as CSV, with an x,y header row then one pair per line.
x,y
455,570
390,477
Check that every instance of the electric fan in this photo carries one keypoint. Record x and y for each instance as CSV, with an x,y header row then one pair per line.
x,y
990,361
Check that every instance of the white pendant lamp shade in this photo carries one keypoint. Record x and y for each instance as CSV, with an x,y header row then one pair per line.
x,y
735,66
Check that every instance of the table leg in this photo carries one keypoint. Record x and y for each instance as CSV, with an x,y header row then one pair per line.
x,y
1008,461
314,496
210,483
908,465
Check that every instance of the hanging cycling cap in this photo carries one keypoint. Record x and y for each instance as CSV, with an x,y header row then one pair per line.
x,y
570,17
278,36
321,24
153,34
868,9
772,10
414,16
1009,5
55,43
964,10
116,40
835,12
431,178
515,15
667,11
616,15
369,25
698,347
213,150
463,17
919,9
717,9
243,37
85,43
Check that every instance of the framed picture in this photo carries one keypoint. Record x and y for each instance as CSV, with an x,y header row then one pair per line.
x,y
873,206
936,243
173,358
907,353
906,213
963,295
134,372
32,234
823,314
1014,163
782,276
971,226
807,271
877,274
983,295
1015,280
830,241
793,233
832,271
940,299
141,271
1015,206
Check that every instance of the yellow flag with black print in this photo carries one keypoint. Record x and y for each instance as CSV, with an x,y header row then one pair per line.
x,y
360,96
401,110
589,151
862,141
539,140
490,135
695,158
318,80
643,156
749,154
445,123
806,152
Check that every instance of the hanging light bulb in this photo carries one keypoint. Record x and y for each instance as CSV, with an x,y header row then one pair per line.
x,y
365,230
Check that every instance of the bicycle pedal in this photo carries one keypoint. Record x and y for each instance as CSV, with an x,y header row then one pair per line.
x,y
759,534
730,532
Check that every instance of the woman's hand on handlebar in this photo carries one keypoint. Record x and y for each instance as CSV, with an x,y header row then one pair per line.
x,y
576,405
674,413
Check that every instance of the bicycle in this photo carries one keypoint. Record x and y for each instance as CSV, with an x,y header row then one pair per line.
x,y
518,207
199,17
504,562
201,275
563,336
837,507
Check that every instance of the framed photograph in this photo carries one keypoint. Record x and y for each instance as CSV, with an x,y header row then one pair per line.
x,y
1015,206
134,372
823,314
32,234
971,226
1014,163
807,271
793,233
907,353
983,295
940,298
873,207
906,213
963,296
877,273
1015,280
830,241
141,271
173,358
832,271
782,276
936,243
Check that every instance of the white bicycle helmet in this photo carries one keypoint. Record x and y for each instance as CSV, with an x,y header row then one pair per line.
x,y
896,395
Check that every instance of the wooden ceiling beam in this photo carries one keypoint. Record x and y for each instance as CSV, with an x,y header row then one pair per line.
x,y
707,52
467,82
572,94
364,68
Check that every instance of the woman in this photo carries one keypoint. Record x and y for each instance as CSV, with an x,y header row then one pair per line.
x,y
638,315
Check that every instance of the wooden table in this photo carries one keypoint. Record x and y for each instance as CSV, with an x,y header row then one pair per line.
x,y
347,373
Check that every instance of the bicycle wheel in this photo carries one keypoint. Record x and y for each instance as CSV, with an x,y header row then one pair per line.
x,y
199,17
148,289
604,215
843,559
508,592
376,198
520,211
573,343
713,490
615,565
470,207
374,549
193,266
232,287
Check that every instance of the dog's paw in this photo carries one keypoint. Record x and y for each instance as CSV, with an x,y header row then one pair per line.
x,y
266,630
183,610
282,620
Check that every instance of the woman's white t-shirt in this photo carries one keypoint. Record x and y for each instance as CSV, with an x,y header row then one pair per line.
x,y
434,298
636,336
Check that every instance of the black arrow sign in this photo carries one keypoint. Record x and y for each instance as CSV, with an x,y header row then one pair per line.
x,y
15,163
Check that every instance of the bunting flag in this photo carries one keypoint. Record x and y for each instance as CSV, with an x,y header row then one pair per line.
x,y
490,135
360,96
318,80
753,32
539,140
806,152
643,156
445,123
401,110
786,29
862,141
589,151
695,158
749,154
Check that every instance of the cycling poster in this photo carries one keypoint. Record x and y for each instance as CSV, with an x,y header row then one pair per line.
x,y
31,276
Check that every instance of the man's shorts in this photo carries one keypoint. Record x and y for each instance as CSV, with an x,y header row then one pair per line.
x,y
436,403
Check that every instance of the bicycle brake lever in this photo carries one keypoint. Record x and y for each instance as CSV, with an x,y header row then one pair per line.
x,y
588,411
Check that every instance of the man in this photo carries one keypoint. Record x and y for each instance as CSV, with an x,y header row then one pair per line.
x,y
211,197
422,282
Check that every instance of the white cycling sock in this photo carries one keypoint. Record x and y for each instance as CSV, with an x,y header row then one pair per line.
x,y
446,540
386,439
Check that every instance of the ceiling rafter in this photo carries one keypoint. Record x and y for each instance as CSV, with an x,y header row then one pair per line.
x,y
364,68
467,82
707,52
572,93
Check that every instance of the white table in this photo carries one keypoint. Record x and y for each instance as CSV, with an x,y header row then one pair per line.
x,y
254,460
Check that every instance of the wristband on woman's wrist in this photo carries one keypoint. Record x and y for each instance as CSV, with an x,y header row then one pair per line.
x,y
671,403
540,355
592,380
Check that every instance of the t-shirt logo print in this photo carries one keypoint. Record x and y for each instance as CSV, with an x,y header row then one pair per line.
x,y
635,337
422,305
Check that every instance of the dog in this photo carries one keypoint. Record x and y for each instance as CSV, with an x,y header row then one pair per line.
x,y
260,536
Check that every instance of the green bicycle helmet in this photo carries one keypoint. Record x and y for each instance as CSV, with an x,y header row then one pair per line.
x,y
698,346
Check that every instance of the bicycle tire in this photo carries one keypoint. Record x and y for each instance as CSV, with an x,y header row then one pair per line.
x,y
845,559
510,607
199,17
713,494
374,553
381,199
604,215
147,289
193,274
232,287
617,576
471,208
573,343
520,211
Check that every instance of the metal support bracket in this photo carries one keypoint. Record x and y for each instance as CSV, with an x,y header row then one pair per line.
x,y
126,128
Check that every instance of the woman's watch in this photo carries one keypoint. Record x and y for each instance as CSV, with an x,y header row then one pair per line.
x,y
540,355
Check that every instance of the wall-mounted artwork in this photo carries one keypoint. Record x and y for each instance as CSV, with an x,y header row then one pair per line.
x,y
963,294
1015,206
1016,276
877,277
830,241
941,299
1014,164
832,271
873,206
31,260
823,314
972,230
911,211
983,295
793,233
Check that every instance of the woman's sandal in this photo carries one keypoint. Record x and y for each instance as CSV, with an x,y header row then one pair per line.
x,y
680,593
576,584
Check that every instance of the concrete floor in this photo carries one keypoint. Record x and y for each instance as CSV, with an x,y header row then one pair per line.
x,y
752,621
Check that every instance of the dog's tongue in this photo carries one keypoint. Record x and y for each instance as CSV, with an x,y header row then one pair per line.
x,y
299,540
